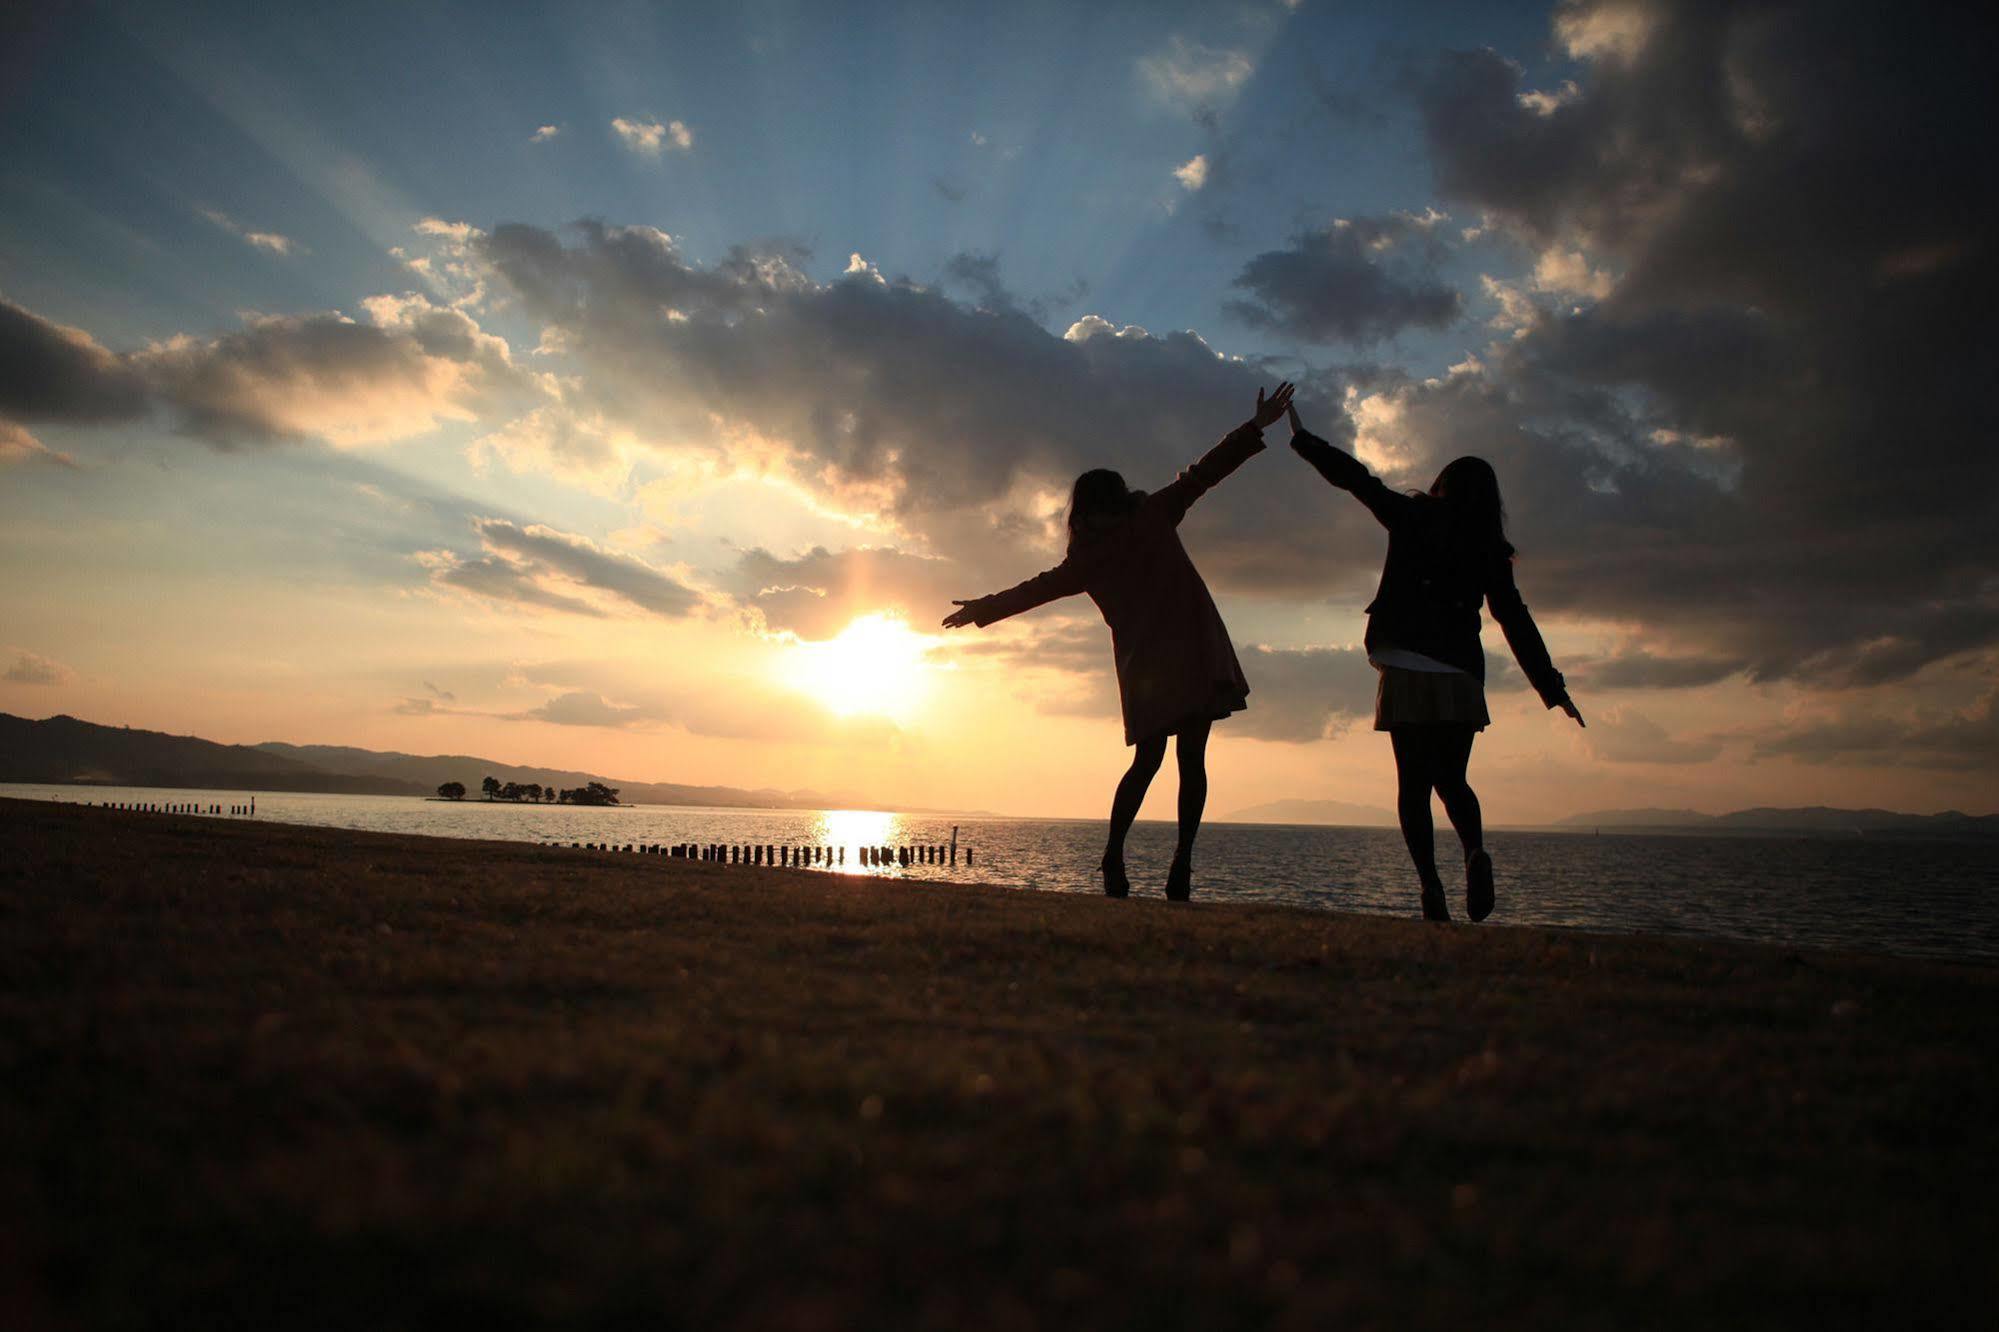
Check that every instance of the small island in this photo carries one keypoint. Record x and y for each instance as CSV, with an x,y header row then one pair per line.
x,y
533,793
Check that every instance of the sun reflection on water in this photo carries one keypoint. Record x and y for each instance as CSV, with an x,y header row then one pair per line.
x,y
853,828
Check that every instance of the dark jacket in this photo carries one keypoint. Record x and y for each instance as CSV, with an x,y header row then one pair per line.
x,y
1430,590
1174,660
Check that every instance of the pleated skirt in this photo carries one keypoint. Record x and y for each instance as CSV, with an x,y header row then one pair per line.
x,y
1429,698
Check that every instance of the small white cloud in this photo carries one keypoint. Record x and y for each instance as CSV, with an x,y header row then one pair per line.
x,y
1517,311
1547,103
586,709
437,226
1096,326
544,134
1190,72
979,140
32,668
1192,174
269,241
1568,273
651,137
1616,30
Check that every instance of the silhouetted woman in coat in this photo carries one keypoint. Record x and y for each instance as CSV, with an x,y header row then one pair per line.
x,y
1176,669
1447,554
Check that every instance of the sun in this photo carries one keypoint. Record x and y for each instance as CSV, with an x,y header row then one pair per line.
x,y
874,668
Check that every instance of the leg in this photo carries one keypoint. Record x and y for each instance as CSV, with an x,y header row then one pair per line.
x,y
1192,753
1415,775
1146,757
1461,803
1453,755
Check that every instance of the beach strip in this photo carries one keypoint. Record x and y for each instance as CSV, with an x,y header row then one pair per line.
x,y
285,1075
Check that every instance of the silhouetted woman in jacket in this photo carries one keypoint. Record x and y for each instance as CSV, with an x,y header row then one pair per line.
x,y
1447,554
1176,669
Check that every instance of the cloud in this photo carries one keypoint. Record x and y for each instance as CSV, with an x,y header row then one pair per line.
x,y
954,430
1638,668
1189,73
585,709
651,137
544,134
269,241
31,668
442,695
1301,695
50,372
1770,219
323,376
1354,281
949,191
1193,173
1626,735
821,592
543,550
495,578
1950,740
328,377
18,446
579,448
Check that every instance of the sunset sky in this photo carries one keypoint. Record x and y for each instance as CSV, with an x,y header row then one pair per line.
x,y
631,388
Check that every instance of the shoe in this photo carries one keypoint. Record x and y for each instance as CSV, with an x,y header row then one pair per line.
x,y
1115,882
1478,885
1180,882
1434,907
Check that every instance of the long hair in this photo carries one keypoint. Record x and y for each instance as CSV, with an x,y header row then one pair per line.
x,y
1469,489
1100,501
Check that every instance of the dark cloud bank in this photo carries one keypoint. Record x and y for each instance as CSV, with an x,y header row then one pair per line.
x,y
1798,201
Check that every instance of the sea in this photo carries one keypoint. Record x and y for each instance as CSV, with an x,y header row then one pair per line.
x,y
1917,898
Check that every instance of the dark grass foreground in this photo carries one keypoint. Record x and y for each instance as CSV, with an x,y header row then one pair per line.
x,y
268,1076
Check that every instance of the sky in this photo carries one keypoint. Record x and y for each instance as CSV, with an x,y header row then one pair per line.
x,y
631,388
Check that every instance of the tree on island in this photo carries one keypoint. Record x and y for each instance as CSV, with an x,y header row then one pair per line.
x,y
548,795
491,786
452,791
596,793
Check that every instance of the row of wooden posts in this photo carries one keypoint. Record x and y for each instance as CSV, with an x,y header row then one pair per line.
x,y
727,853
141,807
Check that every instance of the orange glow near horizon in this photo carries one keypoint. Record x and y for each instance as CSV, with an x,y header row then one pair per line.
x,y
873,668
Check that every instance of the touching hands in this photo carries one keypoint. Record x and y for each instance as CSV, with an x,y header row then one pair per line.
x,y
964,615
1267,411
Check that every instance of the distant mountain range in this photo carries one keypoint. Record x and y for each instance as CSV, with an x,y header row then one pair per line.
x,y
66,750
1335,812
1813,819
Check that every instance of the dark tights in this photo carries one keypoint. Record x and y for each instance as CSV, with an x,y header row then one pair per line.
x,y
1433,758
1147,754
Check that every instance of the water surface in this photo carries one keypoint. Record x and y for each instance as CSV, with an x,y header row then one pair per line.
x,y
1919,898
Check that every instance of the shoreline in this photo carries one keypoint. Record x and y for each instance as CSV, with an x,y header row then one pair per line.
x,y
413,1077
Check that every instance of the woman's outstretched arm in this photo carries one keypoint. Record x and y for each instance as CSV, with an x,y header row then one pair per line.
x,y
1502,598
1064,580
1348,473
1236,448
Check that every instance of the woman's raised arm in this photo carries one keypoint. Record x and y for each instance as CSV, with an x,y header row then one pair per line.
x,y
1236,448
1346,472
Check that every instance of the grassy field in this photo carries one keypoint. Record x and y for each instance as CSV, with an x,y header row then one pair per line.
x,y
269,1076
